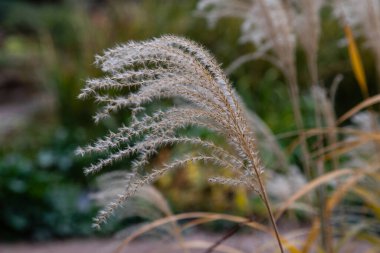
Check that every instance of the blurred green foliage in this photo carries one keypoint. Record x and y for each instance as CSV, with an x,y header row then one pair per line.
x,y
41,193
51,44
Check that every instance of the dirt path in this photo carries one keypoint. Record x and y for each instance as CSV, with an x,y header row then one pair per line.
x,y
246,243
200,240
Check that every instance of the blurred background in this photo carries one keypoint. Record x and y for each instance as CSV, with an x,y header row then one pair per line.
x,y
47,50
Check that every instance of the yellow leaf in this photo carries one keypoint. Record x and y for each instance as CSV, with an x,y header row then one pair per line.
x,y
289,246
356,61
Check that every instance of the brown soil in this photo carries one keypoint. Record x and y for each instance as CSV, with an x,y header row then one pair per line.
x,y
199,240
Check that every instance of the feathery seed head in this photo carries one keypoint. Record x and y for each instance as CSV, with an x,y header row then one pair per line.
x,y
266,23
307,23
168,67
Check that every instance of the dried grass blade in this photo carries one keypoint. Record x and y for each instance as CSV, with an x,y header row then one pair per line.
x,y
366,103
372,199
369,136
338,149
311,186
203,215
337,196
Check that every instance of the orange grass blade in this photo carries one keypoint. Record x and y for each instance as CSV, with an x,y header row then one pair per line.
x,y
356,61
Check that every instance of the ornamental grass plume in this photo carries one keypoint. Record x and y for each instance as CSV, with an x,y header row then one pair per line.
x,y
267,24
170,67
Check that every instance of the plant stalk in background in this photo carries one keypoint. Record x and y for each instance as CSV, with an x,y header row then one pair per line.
x,y
307,26
269,26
